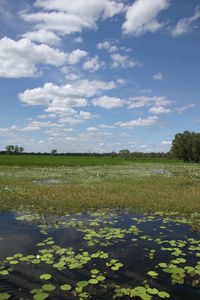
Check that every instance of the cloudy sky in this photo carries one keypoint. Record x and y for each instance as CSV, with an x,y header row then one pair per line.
x,y
109,75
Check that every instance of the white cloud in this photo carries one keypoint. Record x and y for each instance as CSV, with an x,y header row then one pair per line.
x,y
42,36
122,61
158,76
66,17
46,116
141,16
138,123
92,129
166,143
70,121
19,58
62,99
72,77
107,126
159,110
182,109
145,101
78,40
92,64
76,55
86,115
37,125
108,102
107,45
146,91
186,25
120,81
70,139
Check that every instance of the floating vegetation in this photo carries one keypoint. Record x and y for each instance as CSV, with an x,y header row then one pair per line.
x,y
100,255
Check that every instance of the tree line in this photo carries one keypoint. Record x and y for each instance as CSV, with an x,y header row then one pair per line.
x,y
185,146
11,149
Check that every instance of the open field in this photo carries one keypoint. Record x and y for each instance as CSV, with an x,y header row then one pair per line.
x,y
71,161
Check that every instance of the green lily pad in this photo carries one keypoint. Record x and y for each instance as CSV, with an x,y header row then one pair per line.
x,y
100,278
152,273
94,271
4,272
163,295
40,296
45,276
93,281
4,296
65,287
48,287
82,284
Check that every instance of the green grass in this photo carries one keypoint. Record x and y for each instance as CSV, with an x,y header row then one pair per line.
x,y
149,194
47,160
132,186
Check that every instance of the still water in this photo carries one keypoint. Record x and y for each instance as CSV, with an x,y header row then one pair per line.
x,y
98,255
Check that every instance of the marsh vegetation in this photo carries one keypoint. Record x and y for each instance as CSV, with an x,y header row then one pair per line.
x,y
108,229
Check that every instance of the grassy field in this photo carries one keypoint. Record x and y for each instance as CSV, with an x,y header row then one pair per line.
x,y
80,186
47,160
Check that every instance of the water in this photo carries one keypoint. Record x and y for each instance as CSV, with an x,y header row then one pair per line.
x,y
51,181
116,254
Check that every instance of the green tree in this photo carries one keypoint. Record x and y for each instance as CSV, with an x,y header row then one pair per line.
x,y
124,153
186,146
196,147
53,152
10,149
21,149
16,149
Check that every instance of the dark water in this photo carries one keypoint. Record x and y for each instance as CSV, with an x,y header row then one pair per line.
x,y
119,248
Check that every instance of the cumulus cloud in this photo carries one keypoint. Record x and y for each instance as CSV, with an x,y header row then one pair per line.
x,y
66,17
138,123
107,45
158,76
42,36
159,110
141,16
184,108
92,129
92,64
86,115
108,102
120,81
107,126
78,40
75,56
166,143
122,61
186,25
72,77
145,101
19,58
37,125
62,99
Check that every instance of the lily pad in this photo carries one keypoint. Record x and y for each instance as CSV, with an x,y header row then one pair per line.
x,y
65,287
45,276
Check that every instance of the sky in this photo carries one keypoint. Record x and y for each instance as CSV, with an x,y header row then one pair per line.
x,y
98,76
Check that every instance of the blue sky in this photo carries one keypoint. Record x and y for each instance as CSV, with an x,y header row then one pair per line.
x,y
107,76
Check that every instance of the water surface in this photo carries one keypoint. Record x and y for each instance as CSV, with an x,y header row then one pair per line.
x,y
98,255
